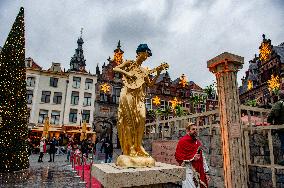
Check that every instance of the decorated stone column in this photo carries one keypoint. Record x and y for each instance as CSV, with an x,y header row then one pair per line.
x,y
225,66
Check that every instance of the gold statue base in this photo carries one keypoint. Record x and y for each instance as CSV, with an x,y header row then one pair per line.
x,y
126,161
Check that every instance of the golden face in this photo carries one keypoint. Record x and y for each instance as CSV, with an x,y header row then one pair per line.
x,y
142,56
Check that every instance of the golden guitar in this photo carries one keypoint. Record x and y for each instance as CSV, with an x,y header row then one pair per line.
x,y
137,80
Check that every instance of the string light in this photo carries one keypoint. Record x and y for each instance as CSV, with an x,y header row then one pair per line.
x,y
174,103
156,100
250,85
264,51
105,88
13,105
118,54
183,80
274,84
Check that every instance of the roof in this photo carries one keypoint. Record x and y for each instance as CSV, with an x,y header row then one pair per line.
x,y
280,51
194,86
161,76
34,65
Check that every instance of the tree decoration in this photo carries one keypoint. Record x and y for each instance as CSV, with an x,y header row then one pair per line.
x,y
274,84
250,85
264,51
183,80
174,103
156,100
105,88
13,104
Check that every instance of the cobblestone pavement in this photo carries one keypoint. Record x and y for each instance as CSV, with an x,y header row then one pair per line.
x,y
56,174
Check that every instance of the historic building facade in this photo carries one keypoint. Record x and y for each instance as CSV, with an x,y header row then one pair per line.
x,y
66,97
270,61
160,99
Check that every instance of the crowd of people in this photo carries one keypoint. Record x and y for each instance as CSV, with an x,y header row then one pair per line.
x,y
57,146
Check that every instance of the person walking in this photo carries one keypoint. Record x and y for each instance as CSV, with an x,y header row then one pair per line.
x,y
108,149
41,149
189,154
69,149
52,149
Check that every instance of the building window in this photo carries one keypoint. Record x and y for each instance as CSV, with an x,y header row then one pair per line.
x,y
73,115
117,75
87,99
42,115
187,105
163,104
55,116
76,82
86,115
45,96
103,97
88,83
148,104
115,95
203,109
75,98
57,97
31,81
29,96
53,82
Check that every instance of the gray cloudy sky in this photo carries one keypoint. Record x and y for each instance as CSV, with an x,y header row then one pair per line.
x,y
184,33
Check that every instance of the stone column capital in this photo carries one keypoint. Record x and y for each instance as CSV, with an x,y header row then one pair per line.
x,y
225,62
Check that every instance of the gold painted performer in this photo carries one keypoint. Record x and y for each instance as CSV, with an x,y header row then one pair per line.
x,y
132,111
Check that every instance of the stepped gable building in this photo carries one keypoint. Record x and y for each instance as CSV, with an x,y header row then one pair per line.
x,y
108,89
66,97
270,61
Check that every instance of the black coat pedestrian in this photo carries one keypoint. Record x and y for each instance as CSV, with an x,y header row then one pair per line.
x,y
52,143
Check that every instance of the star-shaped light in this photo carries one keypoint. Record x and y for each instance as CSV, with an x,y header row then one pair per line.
x,y
118,57
174,102
250,85
264,51
156,100
105,88
183,80
273,83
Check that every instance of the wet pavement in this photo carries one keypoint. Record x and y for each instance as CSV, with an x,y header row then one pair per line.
x,y
56,174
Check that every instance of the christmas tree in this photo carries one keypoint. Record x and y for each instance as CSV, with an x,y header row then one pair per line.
x,y
13,106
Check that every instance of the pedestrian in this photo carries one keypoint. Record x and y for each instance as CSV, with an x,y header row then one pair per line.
x,y
30,146
41,149
189,154
69,149
44,145
108,149
84,147
52,149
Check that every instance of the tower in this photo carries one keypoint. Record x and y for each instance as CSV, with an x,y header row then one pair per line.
x,y
78,61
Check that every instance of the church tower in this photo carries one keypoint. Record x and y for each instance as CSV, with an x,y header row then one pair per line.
x,y
78,61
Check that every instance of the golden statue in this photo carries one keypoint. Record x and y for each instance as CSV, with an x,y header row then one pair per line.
x,y
132,111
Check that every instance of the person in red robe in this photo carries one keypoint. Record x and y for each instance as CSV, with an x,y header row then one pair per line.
x,y
189,154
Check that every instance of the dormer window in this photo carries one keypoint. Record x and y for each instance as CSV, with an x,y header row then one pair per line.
x,y
31,81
